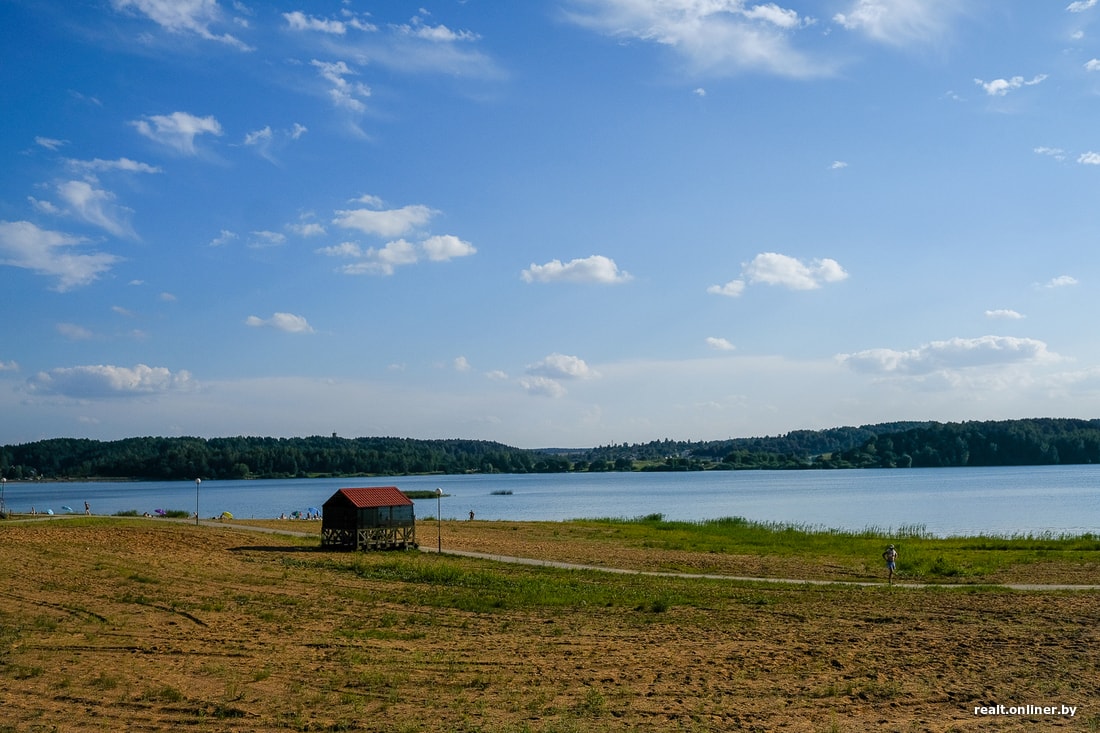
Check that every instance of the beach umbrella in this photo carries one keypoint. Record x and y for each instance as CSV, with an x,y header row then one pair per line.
x,y
69,509
50,512
227,515
313,510
161,512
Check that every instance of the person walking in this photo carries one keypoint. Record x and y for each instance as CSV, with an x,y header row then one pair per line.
x,y
87,510
891,558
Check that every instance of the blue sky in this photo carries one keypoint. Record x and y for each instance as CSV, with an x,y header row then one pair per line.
x,y
558,223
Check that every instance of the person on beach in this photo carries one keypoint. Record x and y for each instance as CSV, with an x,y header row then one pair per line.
x,y
87,510
891,558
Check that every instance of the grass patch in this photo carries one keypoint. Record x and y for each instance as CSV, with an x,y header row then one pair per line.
x,y
922,554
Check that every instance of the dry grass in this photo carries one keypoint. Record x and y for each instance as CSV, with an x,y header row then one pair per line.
x,y
110,625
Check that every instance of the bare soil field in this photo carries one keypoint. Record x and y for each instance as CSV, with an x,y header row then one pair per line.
x,y
147,625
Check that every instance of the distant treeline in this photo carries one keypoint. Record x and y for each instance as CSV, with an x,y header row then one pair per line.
x,y
252,457
1031,442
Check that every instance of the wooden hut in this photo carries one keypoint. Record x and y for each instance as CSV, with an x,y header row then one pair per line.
x,y
369,518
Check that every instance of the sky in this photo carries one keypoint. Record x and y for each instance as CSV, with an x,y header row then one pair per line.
x,y
556,223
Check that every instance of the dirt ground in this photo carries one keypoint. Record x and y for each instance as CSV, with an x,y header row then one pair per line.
x,y
149,625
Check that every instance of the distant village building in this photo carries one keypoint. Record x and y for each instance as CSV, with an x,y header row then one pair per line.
x,y
369,518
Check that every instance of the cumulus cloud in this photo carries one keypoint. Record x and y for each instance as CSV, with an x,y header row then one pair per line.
x,y
561,366
286,322
461,364
1080,6
103,381
374,220
177,130
542,386
50,253
719,344
384,222
9,366
445,247
771,268
1062,281
594,269
900,22
838,165
1003,313
720,38
183,17
1001,87
1089,158
949,355
732,289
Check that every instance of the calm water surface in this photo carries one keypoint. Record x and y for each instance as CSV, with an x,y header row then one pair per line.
x,y
942,501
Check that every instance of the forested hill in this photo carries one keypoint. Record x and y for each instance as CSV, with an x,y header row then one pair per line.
x,y
1031,442
250,457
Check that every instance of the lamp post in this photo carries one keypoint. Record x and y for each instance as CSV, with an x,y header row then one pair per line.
x,y
438,522
197,482
3,507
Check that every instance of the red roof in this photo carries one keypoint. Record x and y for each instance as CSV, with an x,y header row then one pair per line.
x,y
375,496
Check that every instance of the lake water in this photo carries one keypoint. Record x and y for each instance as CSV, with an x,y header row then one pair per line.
x,y
1003,500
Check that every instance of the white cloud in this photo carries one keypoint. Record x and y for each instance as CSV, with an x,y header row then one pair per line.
x,y
385,260
122,164
9,366
461,364
445,247
22,244
949,355
1056,153
716,37
1003,313
771,268
594,269
299,21
1080,6
103,381
1092,65
562,366
838,165
436,34
1001,87
542,386
224,237
343,93
96,207
719,344
307,229
50,143
732,289
183,16
177,130
1062,281
385,223
901,22
1089,158
286,322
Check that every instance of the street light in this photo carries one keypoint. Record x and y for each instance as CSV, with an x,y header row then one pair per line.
x,y
438,522
197,482
3,507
